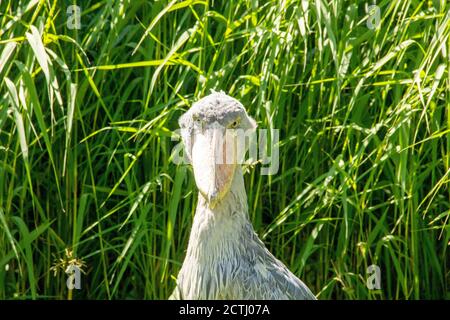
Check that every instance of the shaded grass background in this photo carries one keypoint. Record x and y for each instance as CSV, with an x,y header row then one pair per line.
x,y
86,118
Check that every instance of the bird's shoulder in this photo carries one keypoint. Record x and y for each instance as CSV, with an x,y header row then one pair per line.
x,y
262,275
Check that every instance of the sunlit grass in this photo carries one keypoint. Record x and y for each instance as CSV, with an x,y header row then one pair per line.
x,y
86,117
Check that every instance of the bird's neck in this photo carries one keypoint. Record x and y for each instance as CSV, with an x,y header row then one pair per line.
x,y
218,240
223,223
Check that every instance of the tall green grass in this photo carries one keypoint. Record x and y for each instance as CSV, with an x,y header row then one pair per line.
x,y
86,117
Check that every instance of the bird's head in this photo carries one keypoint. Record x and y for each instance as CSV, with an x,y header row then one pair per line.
x,y
210,132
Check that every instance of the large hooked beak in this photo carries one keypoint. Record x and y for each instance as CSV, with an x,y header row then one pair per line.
x,y
214,163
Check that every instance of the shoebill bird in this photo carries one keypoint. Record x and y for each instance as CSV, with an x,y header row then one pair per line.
x,y
225,259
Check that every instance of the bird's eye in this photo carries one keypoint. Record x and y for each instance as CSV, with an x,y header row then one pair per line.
x,y
235,123
198,123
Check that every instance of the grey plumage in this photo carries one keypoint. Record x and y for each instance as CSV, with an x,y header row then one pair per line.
x,y
225,258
